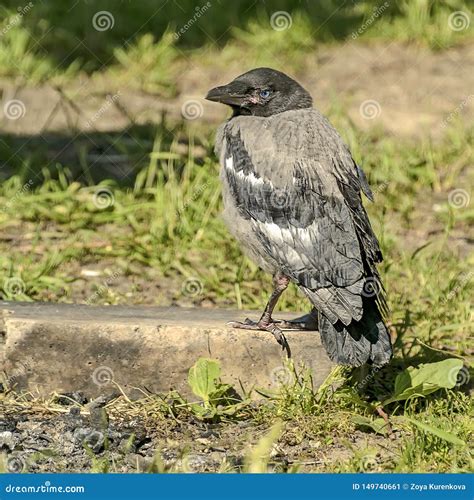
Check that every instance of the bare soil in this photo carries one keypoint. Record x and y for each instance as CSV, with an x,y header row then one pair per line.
x,y
417,92
72,441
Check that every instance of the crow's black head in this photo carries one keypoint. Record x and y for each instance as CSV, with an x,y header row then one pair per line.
x,y
262,92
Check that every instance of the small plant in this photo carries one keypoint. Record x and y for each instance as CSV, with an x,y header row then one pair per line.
x,y
219,400
413,383
425,379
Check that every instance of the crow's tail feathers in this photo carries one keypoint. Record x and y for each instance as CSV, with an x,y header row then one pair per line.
x,y
364,341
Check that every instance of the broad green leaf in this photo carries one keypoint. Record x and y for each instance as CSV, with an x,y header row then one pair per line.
x,y
447,436
202,377
203,412
425,379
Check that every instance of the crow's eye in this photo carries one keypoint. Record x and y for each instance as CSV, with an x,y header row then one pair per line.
x,y
265,93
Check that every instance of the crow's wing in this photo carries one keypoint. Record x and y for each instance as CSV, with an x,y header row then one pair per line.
x,y
294,179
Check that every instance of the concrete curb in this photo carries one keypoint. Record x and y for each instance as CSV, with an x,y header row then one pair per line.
x,y
46,348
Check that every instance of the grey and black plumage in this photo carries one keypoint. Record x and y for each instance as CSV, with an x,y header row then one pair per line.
x,y
292,198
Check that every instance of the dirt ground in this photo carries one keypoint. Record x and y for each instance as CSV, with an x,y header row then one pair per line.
x,y
409,91
71,441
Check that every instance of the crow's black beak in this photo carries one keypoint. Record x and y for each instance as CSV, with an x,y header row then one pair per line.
x,y
226,94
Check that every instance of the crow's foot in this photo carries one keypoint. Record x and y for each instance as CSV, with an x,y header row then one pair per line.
x,y
303,323
271,327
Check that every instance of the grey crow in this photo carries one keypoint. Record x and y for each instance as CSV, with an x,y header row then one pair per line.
x,y
292,198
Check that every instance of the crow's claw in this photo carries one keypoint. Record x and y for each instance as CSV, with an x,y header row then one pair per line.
x,y
279,336
271,327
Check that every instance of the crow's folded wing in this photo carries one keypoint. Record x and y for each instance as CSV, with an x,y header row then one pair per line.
x,y
293,178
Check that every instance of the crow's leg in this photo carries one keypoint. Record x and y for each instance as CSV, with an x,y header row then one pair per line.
x,y
266,322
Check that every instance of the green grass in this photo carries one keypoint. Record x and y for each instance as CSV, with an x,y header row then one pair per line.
x,y
437,24
56,42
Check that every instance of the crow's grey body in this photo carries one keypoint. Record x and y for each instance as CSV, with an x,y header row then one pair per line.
x,y
291,194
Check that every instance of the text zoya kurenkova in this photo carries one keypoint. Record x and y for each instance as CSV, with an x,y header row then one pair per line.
x,y
432,486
